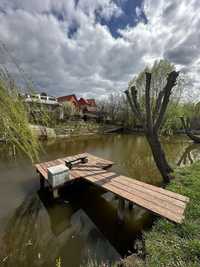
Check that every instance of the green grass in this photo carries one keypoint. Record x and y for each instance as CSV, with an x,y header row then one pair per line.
x,y
169,244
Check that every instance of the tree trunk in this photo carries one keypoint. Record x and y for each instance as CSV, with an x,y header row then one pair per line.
x,y
159,156
152,118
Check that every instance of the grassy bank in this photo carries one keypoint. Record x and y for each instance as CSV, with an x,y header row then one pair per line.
x,y
169,244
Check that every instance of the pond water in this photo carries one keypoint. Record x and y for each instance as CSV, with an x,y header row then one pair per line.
x,y
35,231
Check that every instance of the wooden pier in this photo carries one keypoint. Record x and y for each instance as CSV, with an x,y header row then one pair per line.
x,y
155,199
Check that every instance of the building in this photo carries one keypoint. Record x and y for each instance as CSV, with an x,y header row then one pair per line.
x,y
70,99
38,102
92,107
82,105
87,108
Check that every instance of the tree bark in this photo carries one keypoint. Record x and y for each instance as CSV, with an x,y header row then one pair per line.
x,y
159,156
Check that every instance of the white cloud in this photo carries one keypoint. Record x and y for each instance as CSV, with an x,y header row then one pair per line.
x,y
110,10
93,62
172,32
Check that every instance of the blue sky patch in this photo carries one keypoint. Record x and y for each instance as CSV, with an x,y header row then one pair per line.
x,y
72,29
128,18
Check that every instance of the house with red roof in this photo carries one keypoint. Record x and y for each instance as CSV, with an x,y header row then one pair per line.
x,y
83,105
70,99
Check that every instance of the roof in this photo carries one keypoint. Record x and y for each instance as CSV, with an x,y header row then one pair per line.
x,y
82,101
67,98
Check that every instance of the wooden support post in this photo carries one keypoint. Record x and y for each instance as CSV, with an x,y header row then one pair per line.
x,y
42,182
121,210
55,193
130,205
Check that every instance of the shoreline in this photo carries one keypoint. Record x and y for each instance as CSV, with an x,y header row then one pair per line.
x,y
169,244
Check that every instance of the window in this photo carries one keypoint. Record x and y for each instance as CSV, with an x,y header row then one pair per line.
x,y
52,99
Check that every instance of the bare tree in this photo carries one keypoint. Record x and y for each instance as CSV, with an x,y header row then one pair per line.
x,y
150,112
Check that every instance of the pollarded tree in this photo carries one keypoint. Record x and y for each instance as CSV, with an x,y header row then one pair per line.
x,y
149,95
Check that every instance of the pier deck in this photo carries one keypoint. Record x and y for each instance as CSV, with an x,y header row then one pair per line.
x,y
158,200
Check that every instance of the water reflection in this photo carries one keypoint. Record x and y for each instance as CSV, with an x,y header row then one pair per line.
x,y
84,223
75,229
190,155
131,153
36,236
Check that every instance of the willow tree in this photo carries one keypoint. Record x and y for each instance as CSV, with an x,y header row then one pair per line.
x,y
14,118
149,95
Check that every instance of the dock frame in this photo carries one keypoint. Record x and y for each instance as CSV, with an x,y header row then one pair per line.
x,y
155,199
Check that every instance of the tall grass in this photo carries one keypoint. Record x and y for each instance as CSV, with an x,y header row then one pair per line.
x,y
14,124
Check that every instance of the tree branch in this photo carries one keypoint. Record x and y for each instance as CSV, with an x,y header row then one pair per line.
x,y
171,82
158,104
136,104
131,103
148,101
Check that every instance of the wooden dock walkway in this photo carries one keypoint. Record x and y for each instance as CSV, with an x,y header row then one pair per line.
x,y
158,200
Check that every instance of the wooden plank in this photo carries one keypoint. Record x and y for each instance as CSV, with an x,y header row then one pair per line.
x,y
120,182
41,171
95,179
125,181
151,193
151,196
150,188
172,215
96,161
158,200
159,189
144,203
99,161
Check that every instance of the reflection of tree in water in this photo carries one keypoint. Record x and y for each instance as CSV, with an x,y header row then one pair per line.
x,y
28,240
36,236
20,244
190,155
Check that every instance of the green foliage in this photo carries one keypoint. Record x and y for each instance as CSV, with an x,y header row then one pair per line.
x,y
14,119
173,245
172,121
69,110
188,110
39,114
159,72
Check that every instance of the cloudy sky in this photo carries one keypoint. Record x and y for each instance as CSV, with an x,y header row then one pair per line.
x,y
94,47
